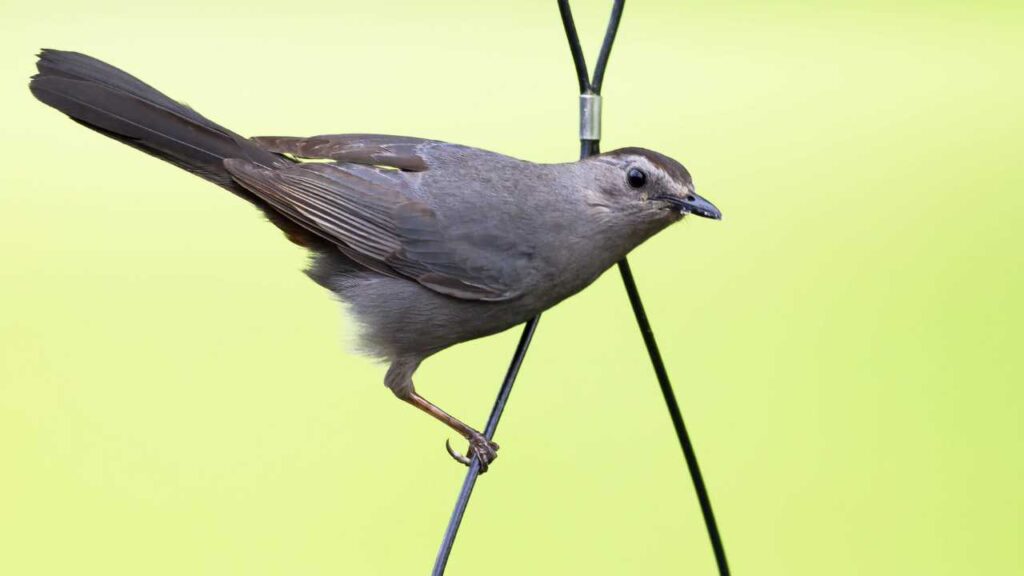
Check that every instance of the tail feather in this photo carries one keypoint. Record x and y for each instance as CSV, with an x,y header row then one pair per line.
x,y
76,66
120,106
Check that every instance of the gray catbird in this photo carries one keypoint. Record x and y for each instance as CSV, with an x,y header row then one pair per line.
x,y
429,243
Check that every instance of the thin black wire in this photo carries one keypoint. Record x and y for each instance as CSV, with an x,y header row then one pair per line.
x,y
677,417
574,44
590,147
474,466
606,46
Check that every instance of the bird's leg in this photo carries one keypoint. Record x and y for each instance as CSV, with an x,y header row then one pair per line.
x,y
479,445
399,380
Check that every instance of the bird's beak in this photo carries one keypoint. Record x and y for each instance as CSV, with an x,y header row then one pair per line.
x,y
691,203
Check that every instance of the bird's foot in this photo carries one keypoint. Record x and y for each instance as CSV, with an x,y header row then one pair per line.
x,y
479,447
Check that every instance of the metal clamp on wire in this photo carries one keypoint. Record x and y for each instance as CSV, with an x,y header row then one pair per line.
x,y
590,116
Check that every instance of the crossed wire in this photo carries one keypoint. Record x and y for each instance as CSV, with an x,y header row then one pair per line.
x,y
588,147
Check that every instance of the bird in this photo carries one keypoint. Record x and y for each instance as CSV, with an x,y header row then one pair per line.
x,y
429,244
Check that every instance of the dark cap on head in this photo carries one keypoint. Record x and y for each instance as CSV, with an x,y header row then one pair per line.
x,y
674,169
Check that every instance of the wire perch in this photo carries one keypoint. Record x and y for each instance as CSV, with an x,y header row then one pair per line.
x,y
590,138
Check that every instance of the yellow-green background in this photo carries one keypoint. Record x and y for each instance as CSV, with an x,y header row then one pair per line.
x,y
176,398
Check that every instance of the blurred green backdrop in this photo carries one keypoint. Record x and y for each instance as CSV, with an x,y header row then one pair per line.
x,y
176,398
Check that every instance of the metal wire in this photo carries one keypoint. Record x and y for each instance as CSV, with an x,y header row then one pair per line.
x,y
474,466
677,418
589,148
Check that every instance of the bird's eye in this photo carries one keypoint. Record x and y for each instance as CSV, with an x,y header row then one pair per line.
x,y
636,177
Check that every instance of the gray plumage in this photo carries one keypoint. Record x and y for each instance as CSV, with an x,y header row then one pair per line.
x,y
430,243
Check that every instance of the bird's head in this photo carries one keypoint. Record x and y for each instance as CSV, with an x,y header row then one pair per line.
x,y
644,187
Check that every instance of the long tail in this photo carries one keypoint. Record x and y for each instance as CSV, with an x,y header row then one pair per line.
x,y
116,104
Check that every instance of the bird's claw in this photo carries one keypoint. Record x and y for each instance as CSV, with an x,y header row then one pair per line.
x,y
480,448
451,452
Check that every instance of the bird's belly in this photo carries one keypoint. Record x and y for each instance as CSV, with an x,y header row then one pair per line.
x,y
399,318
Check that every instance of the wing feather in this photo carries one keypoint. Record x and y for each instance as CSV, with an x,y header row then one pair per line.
x,y
402,152
370,215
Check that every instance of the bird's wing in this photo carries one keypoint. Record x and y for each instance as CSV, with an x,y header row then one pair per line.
x,y
402,152
368,212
